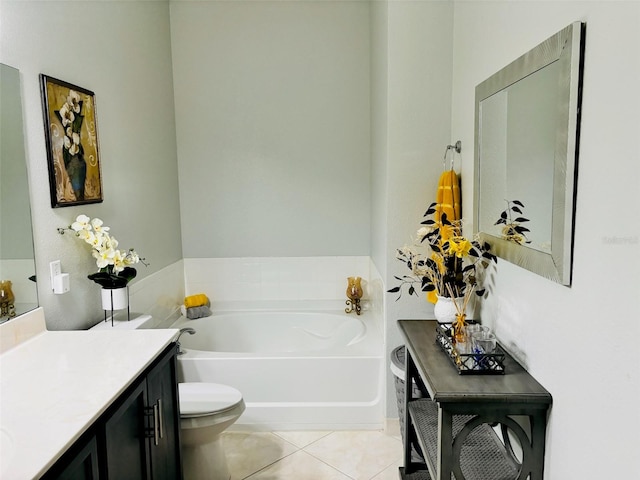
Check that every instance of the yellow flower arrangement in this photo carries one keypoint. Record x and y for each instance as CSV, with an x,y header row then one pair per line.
x,y
444,262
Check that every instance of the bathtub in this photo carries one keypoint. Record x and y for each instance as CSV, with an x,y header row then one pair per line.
x,y
304,370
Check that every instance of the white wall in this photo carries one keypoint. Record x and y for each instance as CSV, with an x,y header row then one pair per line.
x,y
579,342
272,113
269,282
411,102
379,136
121,51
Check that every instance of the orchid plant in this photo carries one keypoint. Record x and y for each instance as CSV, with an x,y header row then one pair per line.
x,y
115,270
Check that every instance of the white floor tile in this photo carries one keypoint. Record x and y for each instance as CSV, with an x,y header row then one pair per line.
x,y
391,472
299,465
249,452
315,455
361,454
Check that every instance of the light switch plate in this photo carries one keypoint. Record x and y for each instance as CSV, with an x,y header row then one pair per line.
x,y
55,268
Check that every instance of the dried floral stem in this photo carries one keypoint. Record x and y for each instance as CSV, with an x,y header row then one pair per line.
x,y
465,299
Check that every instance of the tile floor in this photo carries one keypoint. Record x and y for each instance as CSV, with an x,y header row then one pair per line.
x,y
338,455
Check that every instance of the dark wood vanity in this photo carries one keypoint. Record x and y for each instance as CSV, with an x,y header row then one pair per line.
x,y
455,422
138,437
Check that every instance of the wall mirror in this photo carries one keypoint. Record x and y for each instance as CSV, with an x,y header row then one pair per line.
x,y
17,263
527,119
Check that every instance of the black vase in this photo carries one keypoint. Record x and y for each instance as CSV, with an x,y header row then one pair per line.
x,y
77,173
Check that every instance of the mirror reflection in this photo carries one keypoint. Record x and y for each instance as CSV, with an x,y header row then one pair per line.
x,y
527,118
18,292
519,125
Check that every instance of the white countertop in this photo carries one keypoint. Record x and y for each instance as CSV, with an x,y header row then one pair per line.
x,y
54,385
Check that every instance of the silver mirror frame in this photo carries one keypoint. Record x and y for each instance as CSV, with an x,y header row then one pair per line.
x,y
567,47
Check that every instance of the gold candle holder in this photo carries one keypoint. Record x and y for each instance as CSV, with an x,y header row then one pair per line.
x,y
354,294
7,299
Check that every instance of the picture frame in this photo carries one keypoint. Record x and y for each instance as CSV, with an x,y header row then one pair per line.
x,y
71,134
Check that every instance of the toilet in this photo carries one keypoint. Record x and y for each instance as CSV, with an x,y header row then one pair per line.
x,y
206,410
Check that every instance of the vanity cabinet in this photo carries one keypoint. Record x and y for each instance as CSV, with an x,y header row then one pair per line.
x,y
454,422
138,437
80,462
164,440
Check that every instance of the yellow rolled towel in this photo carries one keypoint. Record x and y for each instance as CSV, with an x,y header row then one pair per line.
x,y
197,300
448,196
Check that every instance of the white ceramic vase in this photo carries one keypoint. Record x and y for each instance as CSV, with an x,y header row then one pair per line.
x,y
115,298
444,310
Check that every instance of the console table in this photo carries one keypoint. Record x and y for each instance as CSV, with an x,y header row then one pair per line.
x,y
453,423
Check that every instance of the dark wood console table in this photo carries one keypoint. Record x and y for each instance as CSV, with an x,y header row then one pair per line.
x,y
452,423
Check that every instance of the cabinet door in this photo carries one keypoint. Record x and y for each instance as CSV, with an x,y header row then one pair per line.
x,y
162,397
125,444
79,463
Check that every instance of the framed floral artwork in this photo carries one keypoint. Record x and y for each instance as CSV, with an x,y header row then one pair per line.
x,y
72,143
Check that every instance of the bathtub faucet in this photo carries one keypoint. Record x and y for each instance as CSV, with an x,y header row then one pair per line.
x,y
190,331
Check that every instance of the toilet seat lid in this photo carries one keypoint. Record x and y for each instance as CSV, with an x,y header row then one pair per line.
x,y
203,398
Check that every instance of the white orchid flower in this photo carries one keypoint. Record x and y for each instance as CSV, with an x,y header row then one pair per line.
x,y
87,235
73,100
118,262
81,223
72,143
98,225
66,115
104,257
96,240
73,148
110,241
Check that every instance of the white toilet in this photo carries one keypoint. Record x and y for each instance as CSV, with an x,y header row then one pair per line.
x,y
206,410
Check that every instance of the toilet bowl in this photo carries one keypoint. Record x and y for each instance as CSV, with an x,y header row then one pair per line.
x,y
206,410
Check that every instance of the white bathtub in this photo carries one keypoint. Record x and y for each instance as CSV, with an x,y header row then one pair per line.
x,y
296,370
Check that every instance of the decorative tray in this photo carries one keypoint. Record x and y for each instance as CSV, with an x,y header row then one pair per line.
x,y
470,363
